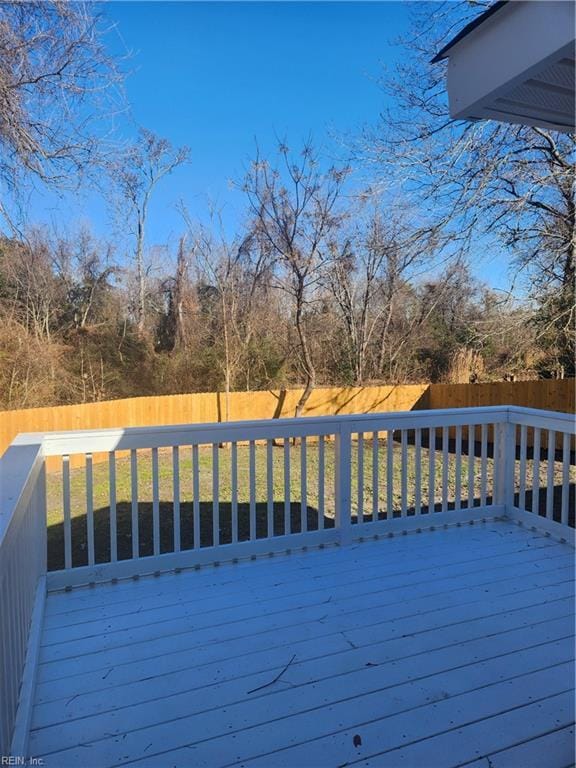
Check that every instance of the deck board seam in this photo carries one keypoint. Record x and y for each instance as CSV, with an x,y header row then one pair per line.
x,y
402,746
354,725
520,743
305,622
444,581
85,593
449,730
216,662
323,636
546,544
335,601
467,665
282,612
295,595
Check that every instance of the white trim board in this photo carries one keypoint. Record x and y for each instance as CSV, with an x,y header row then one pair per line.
x,y
559,531
19,745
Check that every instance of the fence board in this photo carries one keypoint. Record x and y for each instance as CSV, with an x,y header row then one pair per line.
x,y
199,408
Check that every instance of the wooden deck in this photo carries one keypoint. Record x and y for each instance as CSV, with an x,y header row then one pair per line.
x,y
445,648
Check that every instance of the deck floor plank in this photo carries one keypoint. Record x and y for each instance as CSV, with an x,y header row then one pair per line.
x,y
469,627
208,628
286,701
438,732
439,631
224,657
281,571
221,642
553,750
230,607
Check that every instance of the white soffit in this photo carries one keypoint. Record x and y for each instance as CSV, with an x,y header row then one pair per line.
x,y
516,64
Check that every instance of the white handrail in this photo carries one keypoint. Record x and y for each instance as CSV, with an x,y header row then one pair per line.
x,y
22,568
96,440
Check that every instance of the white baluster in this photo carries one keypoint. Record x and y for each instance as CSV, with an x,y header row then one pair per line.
x,y
483,464
375,476
390,473
303,485
270,487
134,503
445,436
196,496
90,508
431,469
536,472
234,483
176,496
155,503
113,518
418,471
458,469
565,477
287,520
522,478
252,475
404,471
360,496
321,453
215,495
550,476
67,515
471,461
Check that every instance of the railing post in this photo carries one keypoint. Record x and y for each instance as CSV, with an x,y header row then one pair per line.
x,y
42,520
504,462
342,483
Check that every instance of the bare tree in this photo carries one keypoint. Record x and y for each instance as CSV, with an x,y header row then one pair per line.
x,y
135,176
295,208
481,186
85,268
366,272
179,292
30,282
58,89
236,270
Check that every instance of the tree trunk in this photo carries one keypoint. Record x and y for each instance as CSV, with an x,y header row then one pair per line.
x,y
178,298
140,307
310,382
227,362
306,357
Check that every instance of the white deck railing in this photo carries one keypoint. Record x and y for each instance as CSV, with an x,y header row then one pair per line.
x,y
136,501
22,571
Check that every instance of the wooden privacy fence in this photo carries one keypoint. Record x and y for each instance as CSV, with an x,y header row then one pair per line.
x,y
547,394
203,408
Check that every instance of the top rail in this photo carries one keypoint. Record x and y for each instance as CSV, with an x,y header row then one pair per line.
x,y
84,441
534,417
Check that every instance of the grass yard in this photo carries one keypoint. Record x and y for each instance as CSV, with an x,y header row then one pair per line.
x,y
165,463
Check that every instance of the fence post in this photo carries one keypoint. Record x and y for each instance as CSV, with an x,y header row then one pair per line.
x,y
504,463
342,483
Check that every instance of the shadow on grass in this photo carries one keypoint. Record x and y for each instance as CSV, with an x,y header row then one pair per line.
x,y
166,519
145,529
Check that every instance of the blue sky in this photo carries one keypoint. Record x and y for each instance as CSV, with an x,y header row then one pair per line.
x,y
217,76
